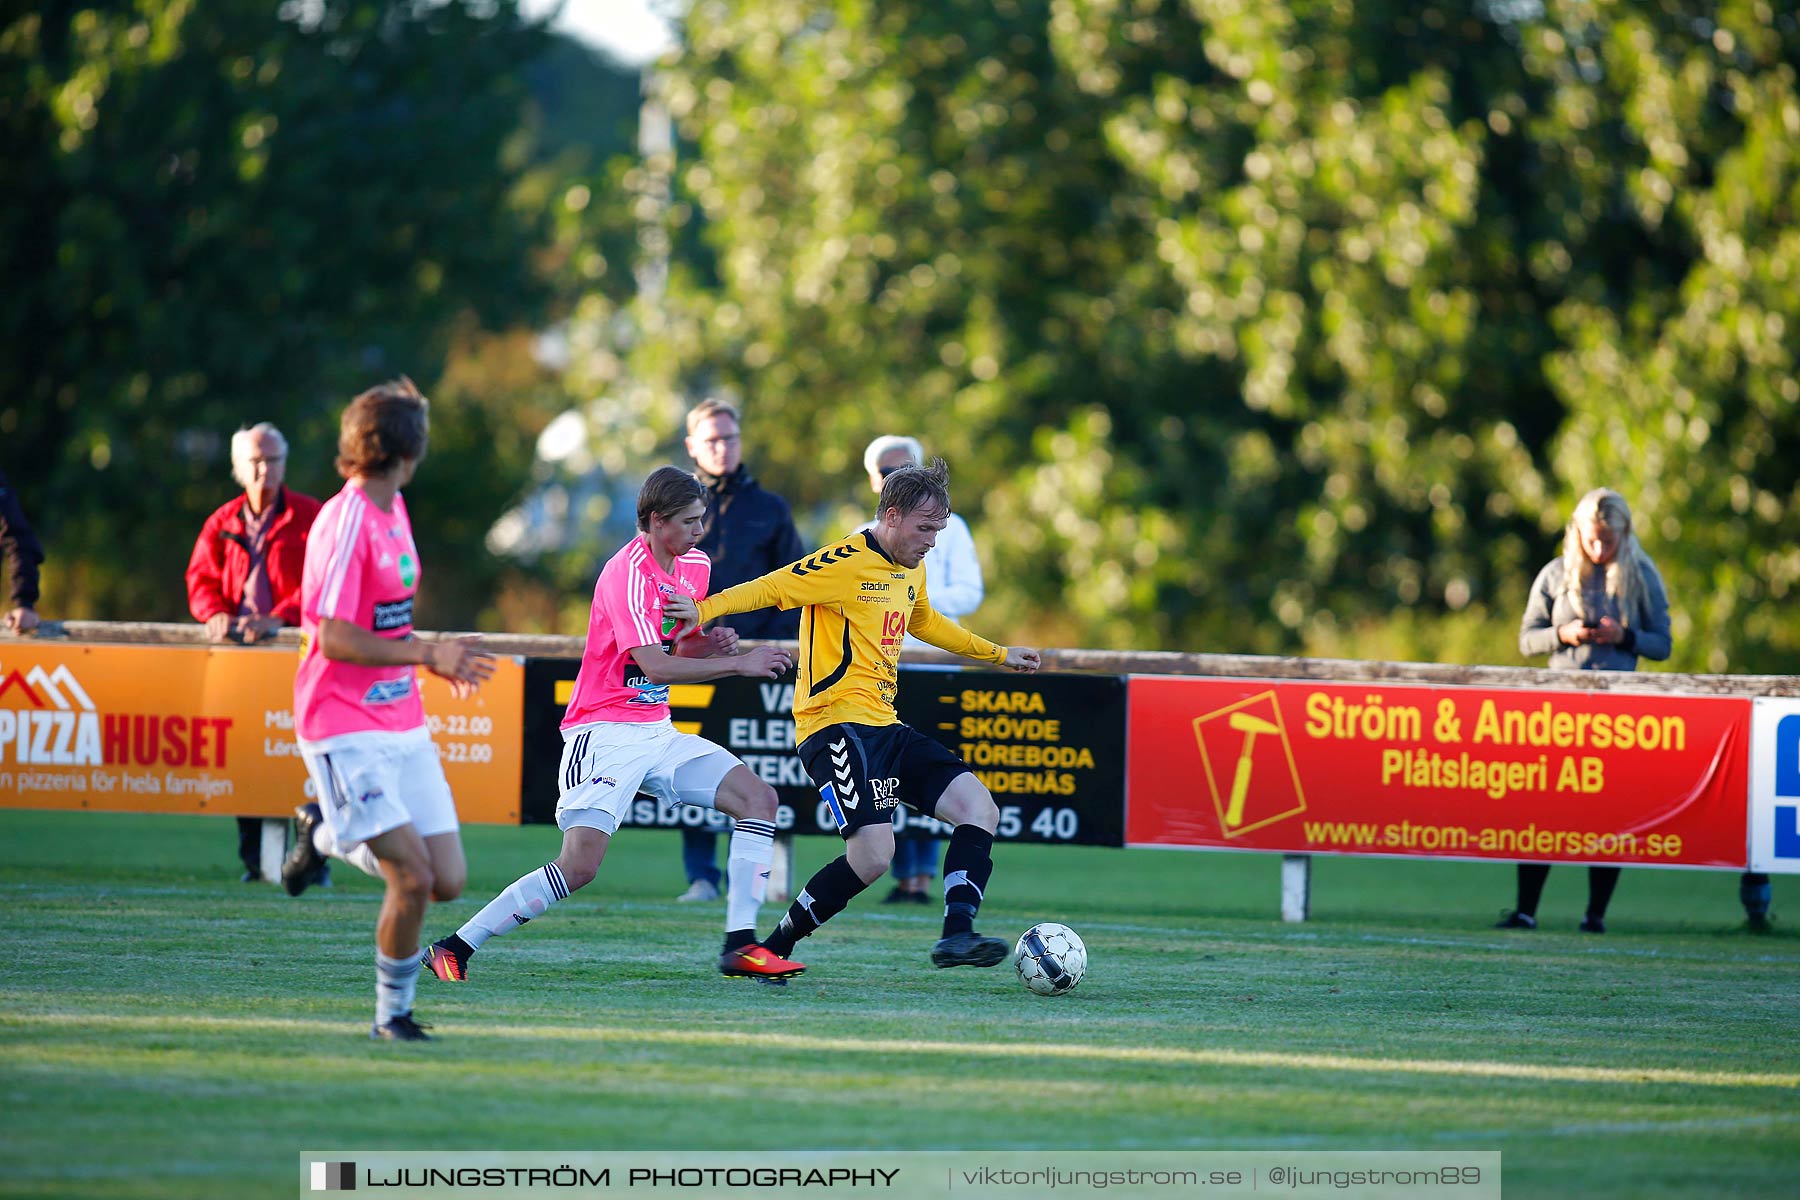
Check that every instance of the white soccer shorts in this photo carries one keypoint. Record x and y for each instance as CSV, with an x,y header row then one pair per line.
x,y
605,764
374,781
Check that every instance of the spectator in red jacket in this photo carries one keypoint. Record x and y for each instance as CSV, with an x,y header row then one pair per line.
x,y
243,578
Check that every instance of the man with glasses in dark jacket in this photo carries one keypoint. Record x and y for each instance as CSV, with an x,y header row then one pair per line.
x,y
749,532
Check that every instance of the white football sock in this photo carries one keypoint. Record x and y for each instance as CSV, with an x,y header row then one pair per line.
x,y
747,869
362,858
528,897
396,980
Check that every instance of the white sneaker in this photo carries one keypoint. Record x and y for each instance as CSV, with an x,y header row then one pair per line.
x,y
699,890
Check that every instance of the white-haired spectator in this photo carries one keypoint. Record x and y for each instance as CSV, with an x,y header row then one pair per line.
x,y
952,571
243,578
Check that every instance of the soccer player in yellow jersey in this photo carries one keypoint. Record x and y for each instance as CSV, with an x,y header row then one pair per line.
x,y
860,597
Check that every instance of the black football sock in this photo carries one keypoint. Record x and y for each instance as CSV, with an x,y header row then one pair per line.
x,y
1531,886
1601,882
1755,893
823,898
967,864
739,937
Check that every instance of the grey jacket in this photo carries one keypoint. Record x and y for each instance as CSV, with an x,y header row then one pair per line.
x,y
1549,609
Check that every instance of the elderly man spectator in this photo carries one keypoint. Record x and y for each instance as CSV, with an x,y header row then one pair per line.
x,y
243,578
952,572
749,531
23,554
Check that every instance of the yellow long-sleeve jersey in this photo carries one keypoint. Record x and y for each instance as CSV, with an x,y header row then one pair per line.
x,y
857,606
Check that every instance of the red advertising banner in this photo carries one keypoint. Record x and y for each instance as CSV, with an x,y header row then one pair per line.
x,y
1441,772
195,729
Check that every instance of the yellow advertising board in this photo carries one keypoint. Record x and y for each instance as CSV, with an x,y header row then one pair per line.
x,y
198,729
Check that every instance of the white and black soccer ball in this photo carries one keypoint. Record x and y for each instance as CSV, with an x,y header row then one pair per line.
x,y
1050,958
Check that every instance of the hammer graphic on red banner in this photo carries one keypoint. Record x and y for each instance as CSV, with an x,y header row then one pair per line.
x,y
1249,726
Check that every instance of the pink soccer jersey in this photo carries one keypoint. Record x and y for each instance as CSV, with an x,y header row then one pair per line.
x,y
361,567
628,613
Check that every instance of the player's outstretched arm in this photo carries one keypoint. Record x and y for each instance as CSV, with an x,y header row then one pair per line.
x,y
759,662
462,661
935,629
816,579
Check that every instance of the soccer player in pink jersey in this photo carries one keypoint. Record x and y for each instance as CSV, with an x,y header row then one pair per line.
x,y
385,805
618,739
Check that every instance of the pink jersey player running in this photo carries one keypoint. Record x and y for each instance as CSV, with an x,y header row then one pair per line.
x,y
618,739
383,802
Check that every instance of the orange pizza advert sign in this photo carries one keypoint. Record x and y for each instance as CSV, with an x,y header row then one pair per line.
x,y
1443,772
197,729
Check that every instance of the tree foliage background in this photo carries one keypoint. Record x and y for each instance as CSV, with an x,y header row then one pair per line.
x,y
1265,327
217,213
1245,326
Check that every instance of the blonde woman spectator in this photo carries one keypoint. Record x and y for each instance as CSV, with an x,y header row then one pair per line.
x,y
1601,606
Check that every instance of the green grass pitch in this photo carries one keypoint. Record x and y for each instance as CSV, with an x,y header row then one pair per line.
x,y
168,1031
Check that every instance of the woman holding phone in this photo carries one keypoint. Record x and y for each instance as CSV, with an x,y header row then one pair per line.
x,y
1600,606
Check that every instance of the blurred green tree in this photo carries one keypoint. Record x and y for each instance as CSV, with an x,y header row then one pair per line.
x,y
1676,364
219,213
1261,326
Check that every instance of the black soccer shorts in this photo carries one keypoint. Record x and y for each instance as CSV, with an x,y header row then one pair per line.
x,y
863,771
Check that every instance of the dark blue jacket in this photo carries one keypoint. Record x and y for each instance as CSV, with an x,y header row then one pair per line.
x,y
749,532
20,546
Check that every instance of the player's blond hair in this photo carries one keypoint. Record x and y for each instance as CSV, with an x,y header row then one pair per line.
x,y
911,489
1624,574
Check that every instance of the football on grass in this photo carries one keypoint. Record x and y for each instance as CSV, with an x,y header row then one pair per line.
x,y
1050,958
